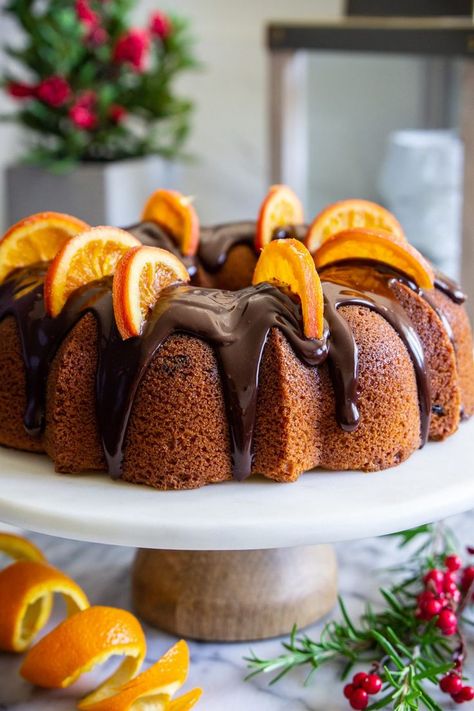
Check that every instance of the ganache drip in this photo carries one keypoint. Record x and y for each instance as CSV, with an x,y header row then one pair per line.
x,y
235,324
368,285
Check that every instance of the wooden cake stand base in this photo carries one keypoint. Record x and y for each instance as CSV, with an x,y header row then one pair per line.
x,y
234,595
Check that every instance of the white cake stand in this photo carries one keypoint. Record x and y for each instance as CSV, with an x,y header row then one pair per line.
x,y
239,560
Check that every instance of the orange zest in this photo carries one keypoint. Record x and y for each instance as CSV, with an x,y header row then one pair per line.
x,y
378,247
37,238
141,274
92,255
280,208
19,548
81,642
287,263
175,214
157,684
26,593
351,214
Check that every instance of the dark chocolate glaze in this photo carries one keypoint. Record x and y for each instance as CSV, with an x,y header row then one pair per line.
x,y
216,242
354,283
151,234
235,324
450,288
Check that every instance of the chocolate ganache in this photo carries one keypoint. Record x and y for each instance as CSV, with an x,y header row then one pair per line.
x,y
235,324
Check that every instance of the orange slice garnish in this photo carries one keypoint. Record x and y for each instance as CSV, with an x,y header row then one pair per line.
x,y
26,592
19,548
37,238
351,214
92,255
378,247
139,277
81,642
287,263
175,213
280,208
158,684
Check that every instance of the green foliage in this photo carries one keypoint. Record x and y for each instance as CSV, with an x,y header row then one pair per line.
x,y
407,653
59,42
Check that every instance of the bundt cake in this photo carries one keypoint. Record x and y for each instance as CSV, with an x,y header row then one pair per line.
x,y
176,356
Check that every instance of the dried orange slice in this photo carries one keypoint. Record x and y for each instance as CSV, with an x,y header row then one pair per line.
x,y
158,684
19,548
26,593
185,702
287,262
91,255
378,247
139,277
175,213
280,208
351,214
79,643
36,239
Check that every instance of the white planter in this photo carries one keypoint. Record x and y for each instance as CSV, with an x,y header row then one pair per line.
x,y
99,193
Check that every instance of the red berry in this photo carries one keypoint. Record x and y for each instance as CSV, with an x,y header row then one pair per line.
x,y
435,578
453,562
372,684
54,91
359,679
466,694
433,608
359,699
451,684
447,620
467,577
450,588
349,690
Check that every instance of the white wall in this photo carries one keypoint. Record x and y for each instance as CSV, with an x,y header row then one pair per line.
x,y
351,109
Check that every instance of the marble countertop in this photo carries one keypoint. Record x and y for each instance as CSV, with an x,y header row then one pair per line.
x,y
103,572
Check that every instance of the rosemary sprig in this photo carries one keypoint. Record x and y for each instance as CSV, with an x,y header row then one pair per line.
x,y
406,649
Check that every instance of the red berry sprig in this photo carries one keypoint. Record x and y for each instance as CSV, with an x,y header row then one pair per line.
x,y
362,686
452,684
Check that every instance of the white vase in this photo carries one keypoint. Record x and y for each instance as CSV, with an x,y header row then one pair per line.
x,y
421,182
99,193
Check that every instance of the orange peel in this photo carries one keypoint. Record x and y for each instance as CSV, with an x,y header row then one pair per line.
x,y
26,593
89,256
280,208
19,548
36,238
185,702
379,247
175,213
82,641
351,214
140,276
156,685
287,263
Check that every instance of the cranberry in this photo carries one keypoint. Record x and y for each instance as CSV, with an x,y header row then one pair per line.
x,y
447,622
450,588
372,684
433,608
451,684
359,699
349,690
467,577
466,694
359,679
453,562
435,577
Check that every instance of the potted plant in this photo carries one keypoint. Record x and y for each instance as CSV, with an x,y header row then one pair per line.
x,y
97,98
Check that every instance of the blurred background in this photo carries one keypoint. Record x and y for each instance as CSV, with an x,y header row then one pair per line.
x,y
334,106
